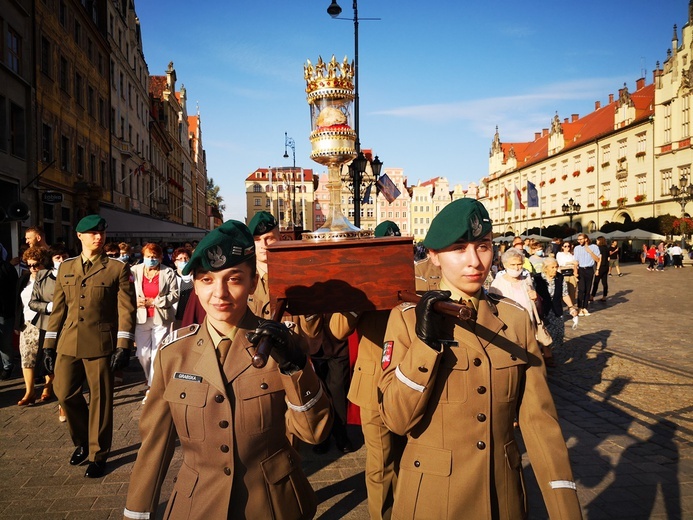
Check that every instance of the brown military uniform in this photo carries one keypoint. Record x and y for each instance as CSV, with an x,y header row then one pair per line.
x,y
426,275
93,314
457,409
259,301
383,448
232,422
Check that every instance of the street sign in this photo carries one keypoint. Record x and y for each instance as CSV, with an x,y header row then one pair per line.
x,y
51,197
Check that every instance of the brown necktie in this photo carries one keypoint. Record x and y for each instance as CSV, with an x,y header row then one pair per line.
x,y
223,349
470,305
87,265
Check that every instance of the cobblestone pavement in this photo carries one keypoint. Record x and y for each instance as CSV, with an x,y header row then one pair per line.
x,y
623,389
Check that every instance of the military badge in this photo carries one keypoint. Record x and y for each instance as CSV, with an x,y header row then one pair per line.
x,y
216,257
388,346
475,225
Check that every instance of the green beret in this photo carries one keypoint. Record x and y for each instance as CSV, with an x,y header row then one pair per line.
x,y
228,245
462,219
387,228
91,223
261,223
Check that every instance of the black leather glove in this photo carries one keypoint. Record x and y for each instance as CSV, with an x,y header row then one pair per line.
x,y
429,323
120,359
49,357
285,352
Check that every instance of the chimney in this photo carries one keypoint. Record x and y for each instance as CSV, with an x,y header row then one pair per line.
x,y
544,131
565,120
611,98
574,117
597,105
640,83
537,135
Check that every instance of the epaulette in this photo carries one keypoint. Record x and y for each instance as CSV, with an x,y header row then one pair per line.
x,y
405,306
504,299
179,334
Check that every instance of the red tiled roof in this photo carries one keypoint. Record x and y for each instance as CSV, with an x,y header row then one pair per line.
x,y
583,130
192,124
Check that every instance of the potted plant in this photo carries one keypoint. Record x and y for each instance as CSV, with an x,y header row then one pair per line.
x,y
564,177
606,203
605,164
640,198
621,159
590,169
621,200
542,184
553,211
640,154
534,214
552,180
576,173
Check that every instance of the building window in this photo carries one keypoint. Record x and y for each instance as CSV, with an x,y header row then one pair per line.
x,y
665,184
3,124
79,89
62,13
623,188
103,178
257,202
78,33
46,143
92,167
80,161
64,75
46,57
667,122
17,131
641,181
65,153
14,50
685,116
622,148
90,100
102,112
642,143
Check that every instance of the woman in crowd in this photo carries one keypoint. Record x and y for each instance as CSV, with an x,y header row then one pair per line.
x,y
42,303
156,288
601,273
652,258
553,291
35,259
515,282
536,257
181,257
568,267
615,257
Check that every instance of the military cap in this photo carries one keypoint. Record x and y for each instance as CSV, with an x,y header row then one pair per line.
x,y
387,228
223,247
462,219
261,223
91,223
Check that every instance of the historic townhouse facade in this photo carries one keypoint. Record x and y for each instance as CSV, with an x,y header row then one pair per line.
x,y
199,172
17,141
276,189
129,110
72,119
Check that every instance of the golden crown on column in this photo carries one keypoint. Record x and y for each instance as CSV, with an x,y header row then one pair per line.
x,y
330,75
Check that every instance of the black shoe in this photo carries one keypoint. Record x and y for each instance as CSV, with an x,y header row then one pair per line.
x,y
345,445
80,454
95,470
322,448
5,374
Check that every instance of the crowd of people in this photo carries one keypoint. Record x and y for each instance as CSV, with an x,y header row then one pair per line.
x,y
193,313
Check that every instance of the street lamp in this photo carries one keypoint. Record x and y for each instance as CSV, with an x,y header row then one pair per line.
x,y
683,196
571,208
358,165
290,143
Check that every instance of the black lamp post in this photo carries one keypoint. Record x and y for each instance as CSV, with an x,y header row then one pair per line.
x,y
290,143
683,196
571,208
358,165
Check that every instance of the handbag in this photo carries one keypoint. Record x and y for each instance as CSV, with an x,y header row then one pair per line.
x,y
542,335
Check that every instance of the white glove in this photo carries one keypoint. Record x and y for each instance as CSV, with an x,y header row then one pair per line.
x,y
49,307
575,322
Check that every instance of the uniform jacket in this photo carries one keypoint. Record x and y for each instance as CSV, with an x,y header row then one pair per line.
x,y
363,391
164,313
93,313
237,461
457,408
426,275
259,301
41,296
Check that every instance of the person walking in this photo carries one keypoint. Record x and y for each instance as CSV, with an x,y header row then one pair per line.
x,y
568,267
602,272
587,256
454,388
181,257
676,256
90,335
156,291
615,257
652,258
232,420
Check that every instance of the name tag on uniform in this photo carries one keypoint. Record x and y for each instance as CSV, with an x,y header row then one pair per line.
x,y
450,342
69,275
187,377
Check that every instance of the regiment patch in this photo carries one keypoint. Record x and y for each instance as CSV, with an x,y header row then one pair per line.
x,y
388,347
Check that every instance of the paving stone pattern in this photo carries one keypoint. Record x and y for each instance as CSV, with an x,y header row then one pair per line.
x,y
623,388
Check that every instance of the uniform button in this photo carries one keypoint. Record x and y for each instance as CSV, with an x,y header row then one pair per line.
x,y
81,308
219,398
81,319
476,362
84,285
417,464
224,448
423,369
182,395
223,424
481,417
481,445
264,386
481,389
227,471
513,357
81,296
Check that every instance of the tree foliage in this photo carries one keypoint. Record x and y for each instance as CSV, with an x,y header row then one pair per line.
x,y
215,200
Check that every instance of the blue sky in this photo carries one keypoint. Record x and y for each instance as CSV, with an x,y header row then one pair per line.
x,y
436,77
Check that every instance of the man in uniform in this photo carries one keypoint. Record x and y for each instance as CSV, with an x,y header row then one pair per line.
x,y
232,419
90,334
383,448
454,387
265,230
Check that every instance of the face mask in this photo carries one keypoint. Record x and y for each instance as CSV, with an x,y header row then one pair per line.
x,y
514,272
124,258
150,262
539,253
55,266
181,265
169,250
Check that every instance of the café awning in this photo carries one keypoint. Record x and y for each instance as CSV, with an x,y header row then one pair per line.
x,y
122,224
